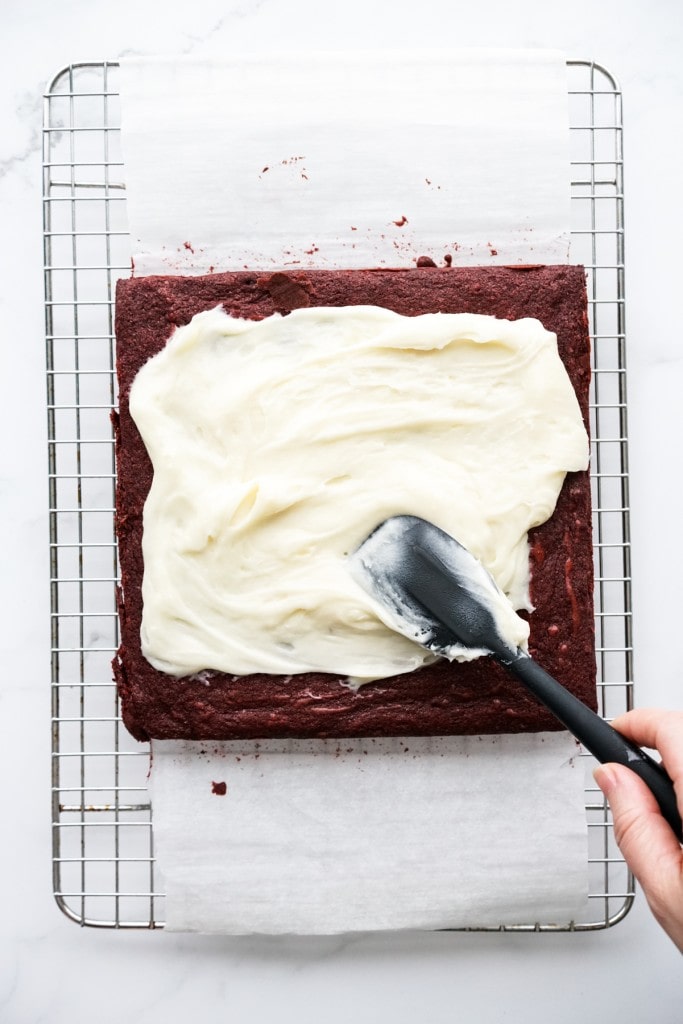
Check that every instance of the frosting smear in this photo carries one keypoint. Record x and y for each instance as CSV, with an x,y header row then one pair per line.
x,y
279,445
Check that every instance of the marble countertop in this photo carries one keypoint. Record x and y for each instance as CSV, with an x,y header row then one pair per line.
x,y
53,971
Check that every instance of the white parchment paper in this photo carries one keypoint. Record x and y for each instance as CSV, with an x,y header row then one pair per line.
x,y
357,160
331,836
347,160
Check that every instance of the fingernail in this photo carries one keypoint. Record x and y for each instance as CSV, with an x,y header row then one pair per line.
x,y
605,777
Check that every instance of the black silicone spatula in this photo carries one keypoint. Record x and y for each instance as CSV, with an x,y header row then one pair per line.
x,y
439,594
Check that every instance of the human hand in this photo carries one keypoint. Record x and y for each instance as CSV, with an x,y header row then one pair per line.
x,y
650,848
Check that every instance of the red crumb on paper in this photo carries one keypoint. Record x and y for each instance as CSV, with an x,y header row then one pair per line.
x,y
402,220
425,261
219,788
264,169
188,245
448,259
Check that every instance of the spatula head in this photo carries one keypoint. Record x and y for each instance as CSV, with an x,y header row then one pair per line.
x,y
435,591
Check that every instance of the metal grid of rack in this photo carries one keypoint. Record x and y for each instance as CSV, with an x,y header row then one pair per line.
x,y
103,839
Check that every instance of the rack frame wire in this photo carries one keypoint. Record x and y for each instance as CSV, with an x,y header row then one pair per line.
x,y
104,873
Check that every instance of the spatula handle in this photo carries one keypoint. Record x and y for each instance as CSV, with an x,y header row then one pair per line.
x,y
597,736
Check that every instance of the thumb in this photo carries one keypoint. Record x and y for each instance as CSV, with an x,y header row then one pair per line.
x,y
645,839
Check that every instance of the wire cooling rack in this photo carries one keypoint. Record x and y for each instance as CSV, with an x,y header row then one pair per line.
x,y
103,837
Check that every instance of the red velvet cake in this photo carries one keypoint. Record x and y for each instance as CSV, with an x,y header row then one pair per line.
x,y
441,699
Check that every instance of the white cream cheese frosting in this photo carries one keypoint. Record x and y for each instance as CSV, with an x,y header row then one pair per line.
x,y
279,445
